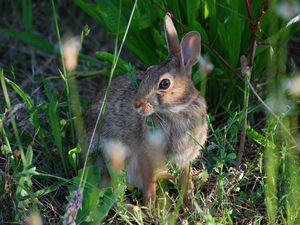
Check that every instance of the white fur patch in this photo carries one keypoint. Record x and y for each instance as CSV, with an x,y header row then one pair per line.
x,y
185,157
116,152
179,108
114,148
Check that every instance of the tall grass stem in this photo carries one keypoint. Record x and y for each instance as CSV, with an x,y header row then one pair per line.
x,y
66,80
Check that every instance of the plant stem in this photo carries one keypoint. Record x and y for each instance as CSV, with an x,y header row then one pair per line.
x,y
13,122
247,77
65,78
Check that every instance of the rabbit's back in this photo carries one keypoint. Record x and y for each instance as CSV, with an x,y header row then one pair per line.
x,y
121,122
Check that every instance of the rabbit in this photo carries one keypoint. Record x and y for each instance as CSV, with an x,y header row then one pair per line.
x,y
166,95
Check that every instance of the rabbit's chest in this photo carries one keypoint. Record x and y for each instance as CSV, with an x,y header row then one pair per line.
x,y
185,138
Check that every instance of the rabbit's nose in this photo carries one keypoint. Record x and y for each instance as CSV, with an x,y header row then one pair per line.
x,y
139,103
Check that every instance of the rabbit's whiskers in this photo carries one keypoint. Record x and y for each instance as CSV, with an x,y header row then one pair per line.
x,y
162,123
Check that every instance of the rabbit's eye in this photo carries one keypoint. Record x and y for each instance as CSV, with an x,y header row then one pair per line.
x,y
164,84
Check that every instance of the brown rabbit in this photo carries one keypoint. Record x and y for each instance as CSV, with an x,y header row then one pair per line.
x,y
169,98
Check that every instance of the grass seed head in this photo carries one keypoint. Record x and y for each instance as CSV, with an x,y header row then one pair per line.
x,y
70,49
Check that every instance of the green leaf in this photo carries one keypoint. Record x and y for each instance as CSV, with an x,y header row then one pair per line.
x,y
27,100
204,176
192,9
96,202
233,131
210,11
32,110
29,155
106,13
56,131
27,15
91,193
143,47
259,138
72,155
231,156
230,34
54,123
140,41
106,202
24,187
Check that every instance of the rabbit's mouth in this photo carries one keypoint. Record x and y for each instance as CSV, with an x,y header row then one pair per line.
x,y
145,111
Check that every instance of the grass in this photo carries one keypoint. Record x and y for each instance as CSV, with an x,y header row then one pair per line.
x,y
42,174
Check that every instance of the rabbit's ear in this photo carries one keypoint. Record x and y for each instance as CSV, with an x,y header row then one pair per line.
x,y
171,37
139,75
190,48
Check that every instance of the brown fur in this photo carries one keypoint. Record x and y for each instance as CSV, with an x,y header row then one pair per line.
x,y
178,114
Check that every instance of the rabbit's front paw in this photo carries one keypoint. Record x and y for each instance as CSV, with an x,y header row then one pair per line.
x,y
187,187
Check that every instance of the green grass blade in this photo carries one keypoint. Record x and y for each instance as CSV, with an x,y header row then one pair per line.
x,y
49,189
272,171
9,151
7,100
32,111
28,101
192,11
56,132
27,15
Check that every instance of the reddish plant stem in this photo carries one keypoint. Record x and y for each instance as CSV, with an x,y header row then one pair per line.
x,y
252,26
262,12
253,31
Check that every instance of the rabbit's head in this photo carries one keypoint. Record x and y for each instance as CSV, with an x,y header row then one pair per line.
x,y
168,87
